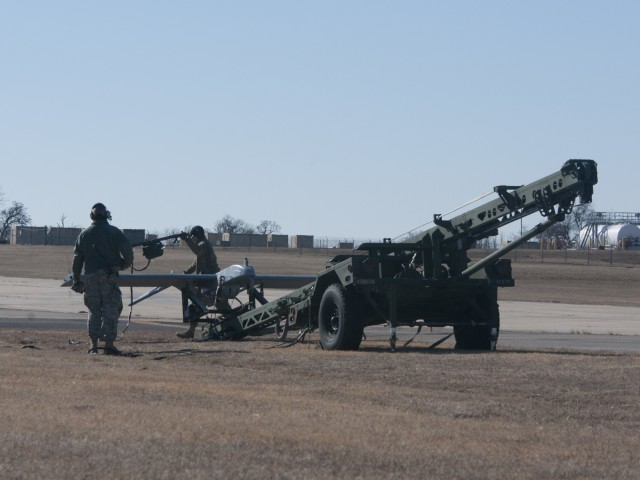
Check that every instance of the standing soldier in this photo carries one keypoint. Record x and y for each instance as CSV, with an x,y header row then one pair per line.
x,y
103,250
205,262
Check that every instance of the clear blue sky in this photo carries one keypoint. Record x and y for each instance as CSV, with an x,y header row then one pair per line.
x,y
354,119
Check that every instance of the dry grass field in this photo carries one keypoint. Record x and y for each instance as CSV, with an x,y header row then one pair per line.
x,y
255,409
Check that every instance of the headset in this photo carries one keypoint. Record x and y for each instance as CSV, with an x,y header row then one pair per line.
x,y
99,212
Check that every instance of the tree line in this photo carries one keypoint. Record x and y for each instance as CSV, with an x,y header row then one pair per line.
x,y
233,225
566,231
16,214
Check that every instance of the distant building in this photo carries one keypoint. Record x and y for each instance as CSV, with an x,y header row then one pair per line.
x,y
215,239
62,235
134,235
28,235
301,241
243,240
277,241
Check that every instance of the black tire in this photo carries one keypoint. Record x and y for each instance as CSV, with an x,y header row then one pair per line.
x,y
479,337
339,321
282,328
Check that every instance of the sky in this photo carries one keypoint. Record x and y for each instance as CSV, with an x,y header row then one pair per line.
x,y
339,119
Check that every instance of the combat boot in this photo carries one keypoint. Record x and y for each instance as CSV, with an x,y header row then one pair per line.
x,y
189,333
110,348
93,349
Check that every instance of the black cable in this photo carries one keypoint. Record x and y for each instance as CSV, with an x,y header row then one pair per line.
x,y
130,307
299,338
141,269
413,338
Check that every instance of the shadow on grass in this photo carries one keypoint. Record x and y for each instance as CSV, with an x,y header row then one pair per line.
x,y
564,352
162,355
426,350
169,353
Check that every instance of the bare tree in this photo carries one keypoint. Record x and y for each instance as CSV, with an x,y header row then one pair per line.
x,y
267,227
487,243
229,224
63,221
561,231
16,214
579,218
569,229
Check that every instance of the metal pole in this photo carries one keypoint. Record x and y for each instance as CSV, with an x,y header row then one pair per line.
x,y
611,255
393,315
537,230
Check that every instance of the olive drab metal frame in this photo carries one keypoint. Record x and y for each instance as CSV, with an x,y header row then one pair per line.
x,y
426,279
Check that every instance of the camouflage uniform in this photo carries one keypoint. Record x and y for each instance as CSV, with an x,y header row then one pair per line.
x,y
205,262
103,298
103,250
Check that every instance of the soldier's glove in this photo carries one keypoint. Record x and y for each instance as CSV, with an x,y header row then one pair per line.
x,y
78,286
184,235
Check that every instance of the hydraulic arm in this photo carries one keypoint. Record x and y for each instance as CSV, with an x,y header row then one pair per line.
x,y
552,196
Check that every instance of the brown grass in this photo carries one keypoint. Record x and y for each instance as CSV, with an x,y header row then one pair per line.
x,y
249,410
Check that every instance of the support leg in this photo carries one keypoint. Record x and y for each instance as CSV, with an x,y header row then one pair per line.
x,y
392,292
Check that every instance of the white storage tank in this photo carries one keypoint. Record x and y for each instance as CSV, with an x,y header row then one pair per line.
x,y
590,236
615,234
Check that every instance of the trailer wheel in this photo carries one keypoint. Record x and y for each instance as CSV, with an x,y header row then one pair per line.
x,y
479,337
339,322
282,328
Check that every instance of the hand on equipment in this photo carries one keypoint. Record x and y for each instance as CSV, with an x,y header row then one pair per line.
x,y
78,286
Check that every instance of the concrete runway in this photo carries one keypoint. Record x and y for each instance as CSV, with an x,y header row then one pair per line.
x,y
35,303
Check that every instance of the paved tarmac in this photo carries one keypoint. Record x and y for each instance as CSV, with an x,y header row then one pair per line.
x,y
35,303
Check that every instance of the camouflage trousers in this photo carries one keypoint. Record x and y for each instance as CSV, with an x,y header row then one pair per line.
x,y
104,301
